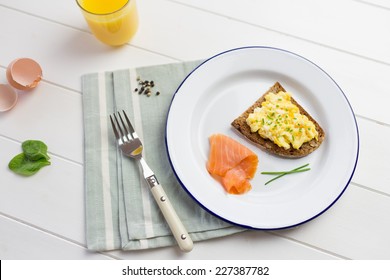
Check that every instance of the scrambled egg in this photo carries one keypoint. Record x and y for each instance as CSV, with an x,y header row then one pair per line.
x,y
279,120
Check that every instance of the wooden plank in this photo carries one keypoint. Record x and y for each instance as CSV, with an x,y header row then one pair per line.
x,y
253,245
74,52
373,164
318,22
384,4
57,120
52,199
356,227
20,242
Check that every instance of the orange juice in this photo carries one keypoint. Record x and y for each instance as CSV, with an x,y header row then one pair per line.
x,y
113,22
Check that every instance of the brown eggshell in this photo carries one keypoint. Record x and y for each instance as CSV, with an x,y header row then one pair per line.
x,y
8,97
24,73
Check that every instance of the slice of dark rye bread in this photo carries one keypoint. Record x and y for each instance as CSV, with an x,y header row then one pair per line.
x,y
268,145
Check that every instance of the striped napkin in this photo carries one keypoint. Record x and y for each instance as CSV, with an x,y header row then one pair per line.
x,y
120,210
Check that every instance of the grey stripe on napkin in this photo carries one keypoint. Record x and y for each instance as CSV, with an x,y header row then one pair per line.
x,y
120,210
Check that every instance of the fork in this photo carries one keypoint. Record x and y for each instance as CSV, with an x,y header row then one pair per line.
x,y
131,146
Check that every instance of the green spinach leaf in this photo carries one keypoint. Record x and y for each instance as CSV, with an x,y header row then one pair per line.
x,y
22,165
35,150
33,158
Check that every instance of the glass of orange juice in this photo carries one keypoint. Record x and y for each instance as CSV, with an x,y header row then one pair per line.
x,y
113,22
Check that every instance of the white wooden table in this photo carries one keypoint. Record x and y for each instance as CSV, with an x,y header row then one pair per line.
x,y
43,216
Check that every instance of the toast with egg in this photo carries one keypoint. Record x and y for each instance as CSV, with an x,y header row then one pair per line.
x,y
241,126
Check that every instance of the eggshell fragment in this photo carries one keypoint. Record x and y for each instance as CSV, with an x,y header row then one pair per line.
x,y
8,97
24,73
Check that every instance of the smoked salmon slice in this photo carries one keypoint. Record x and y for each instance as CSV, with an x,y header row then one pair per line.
x,y
231,163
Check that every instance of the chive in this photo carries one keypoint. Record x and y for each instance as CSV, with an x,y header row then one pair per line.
x,y
282,173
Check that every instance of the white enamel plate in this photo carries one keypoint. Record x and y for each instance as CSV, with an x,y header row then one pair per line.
x,y
223,87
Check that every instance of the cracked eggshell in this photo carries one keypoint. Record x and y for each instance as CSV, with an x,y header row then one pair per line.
x,y
24,73
8,97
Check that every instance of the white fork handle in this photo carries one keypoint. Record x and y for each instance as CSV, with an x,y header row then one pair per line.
x,y
179,232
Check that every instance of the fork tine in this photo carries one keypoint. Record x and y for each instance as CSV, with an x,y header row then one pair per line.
x,y
122,135
114,128
132,131
128,135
